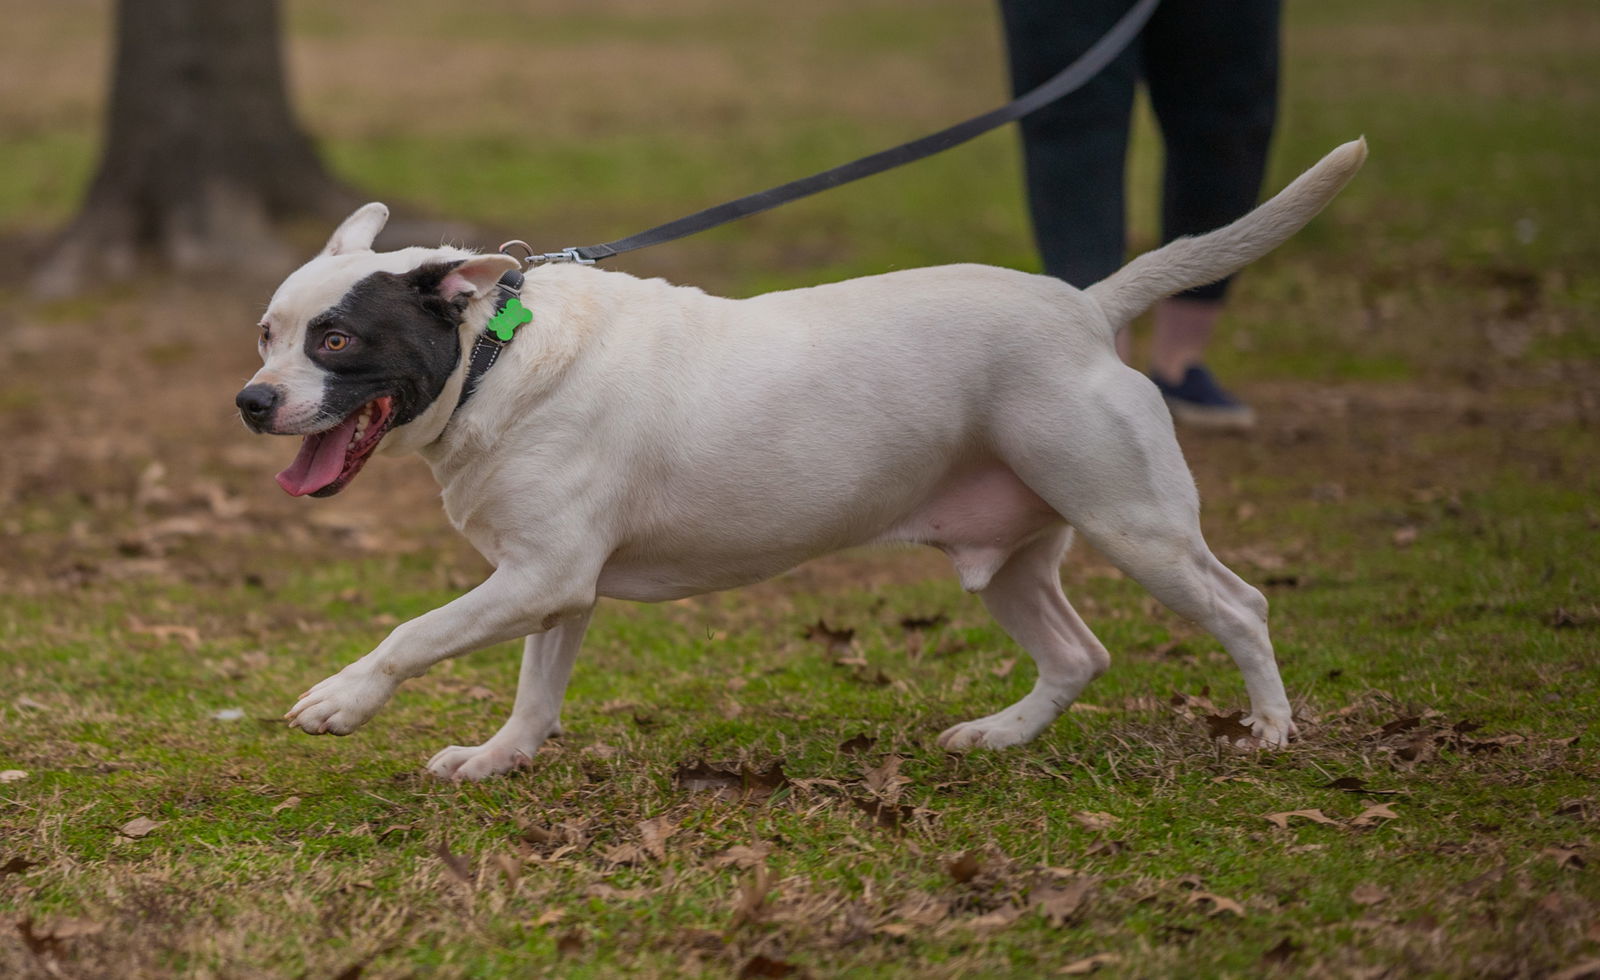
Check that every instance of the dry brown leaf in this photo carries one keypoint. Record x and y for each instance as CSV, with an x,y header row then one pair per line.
x,y
857,744
1000,918
1368,894
189,636
625,854
759,966
836,640
1095,820
885,780
1315,816
752,896
139,827
1003,668
914,623
1088,964
1564,857
460,867
288,804
17,866
964,868
1374,814
1060,905
570,943
1405,537
655,833
1229,727
12,775
1219,904
743,856
550,917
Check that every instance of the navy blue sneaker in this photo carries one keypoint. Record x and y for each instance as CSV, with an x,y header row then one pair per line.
x,y
1199,401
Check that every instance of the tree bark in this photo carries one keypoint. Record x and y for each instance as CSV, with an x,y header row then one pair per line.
x,y
203,156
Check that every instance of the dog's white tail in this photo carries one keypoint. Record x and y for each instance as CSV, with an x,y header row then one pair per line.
x,y
1190,262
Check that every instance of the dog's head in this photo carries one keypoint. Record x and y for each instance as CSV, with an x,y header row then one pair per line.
x,y
358,344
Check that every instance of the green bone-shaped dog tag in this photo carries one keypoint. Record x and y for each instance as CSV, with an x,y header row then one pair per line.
x,y
505,323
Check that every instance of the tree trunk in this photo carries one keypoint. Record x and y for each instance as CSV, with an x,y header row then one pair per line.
x,y
202,156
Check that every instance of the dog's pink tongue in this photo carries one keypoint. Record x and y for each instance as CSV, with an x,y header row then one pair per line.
x,y
320,462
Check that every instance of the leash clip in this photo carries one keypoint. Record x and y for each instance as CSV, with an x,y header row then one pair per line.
x,y
529,258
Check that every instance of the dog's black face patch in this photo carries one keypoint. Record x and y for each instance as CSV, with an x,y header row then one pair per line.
x,y
390,335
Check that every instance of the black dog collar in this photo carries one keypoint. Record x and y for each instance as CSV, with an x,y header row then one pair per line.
x,y
509,314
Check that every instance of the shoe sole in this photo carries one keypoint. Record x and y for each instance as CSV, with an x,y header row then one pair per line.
x,y
1238,418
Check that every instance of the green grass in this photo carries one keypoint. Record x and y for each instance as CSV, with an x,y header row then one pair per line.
x,y
1419,504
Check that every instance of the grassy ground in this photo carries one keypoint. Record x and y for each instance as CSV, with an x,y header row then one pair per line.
x,y
1419,503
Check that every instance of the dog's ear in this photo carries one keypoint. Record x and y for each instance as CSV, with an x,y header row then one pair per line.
x,y
474,277
358,230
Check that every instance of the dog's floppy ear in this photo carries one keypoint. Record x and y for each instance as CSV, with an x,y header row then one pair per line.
x,y
475,276
358,230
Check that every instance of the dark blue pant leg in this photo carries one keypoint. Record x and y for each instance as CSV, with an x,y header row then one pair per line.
x,y
1074,149
1212,72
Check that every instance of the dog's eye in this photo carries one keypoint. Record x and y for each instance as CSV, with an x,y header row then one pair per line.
x,y
266,335
336,341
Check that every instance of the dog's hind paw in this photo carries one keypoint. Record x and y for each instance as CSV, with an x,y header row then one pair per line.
x,y
478,761
340,704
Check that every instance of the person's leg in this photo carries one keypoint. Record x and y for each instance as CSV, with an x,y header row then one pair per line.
x,y
1074,149
1212,74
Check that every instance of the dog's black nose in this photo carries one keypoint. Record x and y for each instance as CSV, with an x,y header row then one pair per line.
x,y
256,403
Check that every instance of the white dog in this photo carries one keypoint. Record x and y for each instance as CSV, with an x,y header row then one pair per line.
x,y
647,441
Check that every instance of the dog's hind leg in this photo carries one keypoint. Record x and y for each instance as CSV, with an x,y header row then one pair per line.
x,y
1025,598
1138,506
547,660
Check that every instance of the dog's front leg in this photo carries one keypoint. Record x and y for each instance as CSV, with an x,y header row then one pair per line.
x,y
546,664
510,603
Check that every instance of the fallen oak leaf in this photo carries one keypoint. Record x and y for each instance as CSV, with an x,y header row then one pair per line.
x,y
836,640
459,866
139,827
655,833
13,775
765,966
914,623
964,868
570,943
1219,904
858,744
1229,727
743,856
1060,905
1368,894
1315,816
887,815
288,804
17,866
1373,815
1565,857
752,896
885,780
1095,820
1088,964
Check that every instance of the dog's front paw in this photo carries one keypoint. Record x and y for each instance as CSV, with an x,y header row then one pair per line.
x,y
484,761
1268,731
342,703
994,732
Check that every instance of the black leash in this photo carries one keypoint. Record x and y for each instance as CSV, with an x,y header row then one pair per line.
x,y
502,328
1069,79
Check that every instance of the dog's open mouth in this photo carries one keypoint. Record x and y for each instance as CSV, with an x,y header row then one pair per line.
x,y
330,459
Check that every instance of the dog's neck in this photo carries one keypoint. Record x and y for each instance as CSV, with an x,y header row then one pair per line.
x,y
428,427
